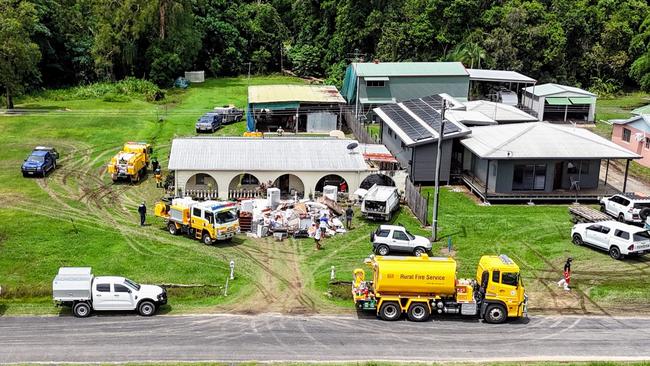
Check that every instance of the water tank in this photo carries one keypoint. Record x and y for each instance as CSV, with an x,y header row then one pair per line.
x,y
422,275
273,196
331,192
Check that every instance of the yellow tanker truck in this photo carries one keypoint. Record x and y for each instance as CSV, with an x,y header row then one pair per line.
x,y
207,221
130,163
421,286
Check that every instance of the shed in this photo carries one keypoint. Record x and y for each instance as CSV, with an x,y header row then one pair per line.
x,y
294,108
538,160
296,165
634,134
371,84
553,102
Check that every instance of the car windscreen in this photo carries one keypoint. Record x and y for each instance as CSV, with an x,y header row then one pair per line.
x,y
224,217
641,236
510,278
35,159
131,284
411,236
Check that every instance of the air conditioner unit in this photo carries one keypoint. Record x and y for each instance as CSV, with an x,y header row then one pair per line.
x,y
639,136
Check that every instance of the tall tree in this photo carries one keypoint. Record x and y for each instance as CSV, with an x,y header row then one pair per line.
x,y
19,55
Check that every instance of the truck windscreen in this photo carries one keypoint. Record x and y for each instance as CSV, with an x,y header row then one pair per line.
x,y
224,217
510,278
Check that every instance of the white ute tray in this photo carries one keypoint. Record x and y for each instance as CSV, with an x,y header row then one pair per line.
x,y
72,283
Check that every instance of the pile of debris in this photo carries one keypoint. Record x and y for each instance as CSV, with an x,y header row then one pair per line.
x,y
296,218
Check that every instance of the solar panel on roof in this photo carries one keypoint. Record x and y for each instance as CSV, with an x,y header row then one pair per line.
x,y
429,115
406,122
434,101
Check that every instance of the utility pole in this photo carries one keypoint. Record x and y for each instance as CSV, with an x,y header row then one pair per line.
x,y
436,197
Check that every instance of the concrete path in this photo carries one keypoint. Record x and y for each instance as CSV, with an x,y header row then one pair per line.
x,y
121,338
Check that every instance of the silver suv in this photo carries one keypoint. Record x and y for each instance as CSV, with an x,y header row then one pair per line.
x,y
626,208
391,238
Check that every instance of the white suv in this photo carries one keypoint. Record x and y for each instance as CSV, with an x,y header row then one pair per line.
x,y
617,238
392,238
626,208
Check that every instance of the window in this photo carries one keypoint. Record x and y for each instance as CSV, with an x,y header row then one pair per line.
x,y
103,287
196,212
249,179
226,216
624,201
200,178
375,83
209,216
382,233
509,278
595,228
626,135
495,276
604,229
135,285
400,235
121,288
641,236
647,142
622,234
529,177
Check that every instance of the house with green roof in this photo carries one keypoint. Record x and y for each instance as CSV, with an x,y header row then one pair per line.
x,y
371,84
555,102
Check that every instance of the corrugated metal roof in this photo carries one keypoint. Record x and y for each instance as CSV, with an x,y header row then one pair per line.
x,y
645,118
558,90
642,110
268,154
499,112
469,118
410,69
294,93
541,140
499,76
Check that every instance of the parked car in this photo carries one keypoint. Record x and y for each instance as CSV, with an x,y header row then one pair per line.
x,y
229,113
50,149
626,208
617,238
208,122
39,162
78,288
392,238
380,202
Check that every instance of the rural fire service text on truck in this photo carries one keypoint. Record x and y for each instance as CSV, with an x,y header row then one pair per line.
x,y
420,286
131,162
207,221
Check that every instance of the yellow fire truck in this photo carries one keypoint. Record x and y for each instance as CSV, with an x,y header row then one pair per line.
x,y
207,221
421,286
132,162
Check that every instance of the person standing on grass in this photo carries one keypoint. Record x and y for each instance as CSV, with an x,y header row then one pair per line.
x,y
318,234
348,217
142,210
566,280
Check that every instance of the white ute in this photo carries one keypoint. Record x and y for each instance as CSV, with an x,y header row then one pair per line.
x,y
78,288
617,238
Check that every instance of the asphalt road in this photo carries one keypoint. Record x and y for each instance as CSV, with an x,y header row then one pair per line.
x,y
319,338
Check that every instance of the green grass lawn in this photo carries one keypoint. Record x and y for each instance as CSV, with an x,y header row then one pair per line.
x,y
617,108
77,217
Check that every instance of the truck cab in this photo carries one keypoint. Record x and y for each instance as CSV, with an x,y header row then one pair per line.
x,y
39,162
500,288
131,162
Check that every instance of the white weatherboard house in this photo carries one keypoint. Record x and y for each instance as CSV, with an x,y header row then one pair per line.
x,y
297,165
554,102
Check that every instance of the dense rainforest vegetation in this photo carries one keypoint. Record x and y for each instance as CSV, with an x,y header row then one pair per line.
x,y
600,44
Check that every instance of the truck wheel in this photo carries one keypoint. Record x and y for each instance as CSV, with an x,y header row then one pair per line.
x,y
207,240
81,310
419,251
577,239
146,308
198,131
383,250
495,314
621,218
418,312
171,227
615,253
390,311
